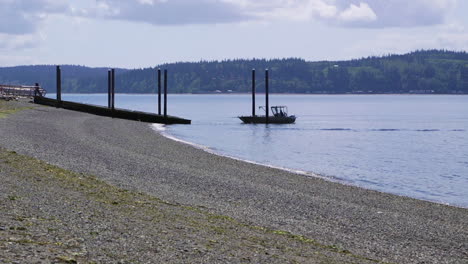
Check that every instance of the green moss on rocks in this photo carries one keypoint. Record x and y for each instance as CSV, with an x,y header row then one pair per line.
x,y
132,226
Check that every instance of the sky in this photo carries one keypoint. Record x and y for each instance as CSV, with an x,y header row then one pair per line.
x,y
146,33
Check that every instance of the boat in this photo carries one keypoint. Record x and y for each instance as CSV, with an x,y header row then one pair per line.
x,y
280,116
280,112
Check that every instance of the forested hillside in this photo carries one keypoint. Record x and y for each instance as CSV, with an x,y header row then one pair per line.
x,y
432,71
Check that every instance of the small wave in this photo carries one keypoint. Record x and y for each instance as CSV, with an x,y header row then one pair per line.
x,y
159,127
427,130
162,130
336,129
458,130
386,129
369,182
286,128
451,176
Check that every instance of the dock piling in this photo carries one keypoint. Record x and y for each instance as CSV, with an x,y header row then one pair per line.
x,y
113,89
253,92
267,112
59,86
109,88
159,91
165,93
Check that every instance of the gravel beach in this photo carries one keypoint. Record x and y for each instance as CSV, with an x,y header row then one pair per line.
x,y
130,155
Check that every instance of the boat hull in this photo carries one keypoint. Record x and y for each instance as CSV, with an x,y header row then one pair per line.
x,y
271,119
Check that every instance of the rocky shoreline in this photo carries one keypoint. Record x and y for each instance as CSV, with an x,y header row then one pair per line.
x,y
340,223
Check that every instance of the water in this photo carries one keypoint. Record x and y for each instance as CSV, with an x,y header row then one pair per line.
x,y
408,145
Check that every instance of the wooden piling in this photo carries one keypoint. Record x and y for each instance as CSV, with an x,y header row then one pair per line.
x,y
159,91
113,89
267,112
109,88
253,92
165,93
59,86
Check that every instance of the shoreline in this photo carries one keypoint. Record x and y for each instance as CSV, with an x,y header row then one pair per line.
x,y
247,93
211,151
158,128
132,156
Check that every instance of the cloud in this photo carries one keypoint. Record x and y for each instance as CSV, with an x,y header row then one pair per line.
x,y
25,16
349,13
361,13
19,17
395,13
298,10
353,13
20,21
169,12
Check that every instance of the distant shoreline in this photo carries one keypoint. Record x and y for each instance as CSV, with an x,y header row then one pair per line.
x,y
420,72
261,94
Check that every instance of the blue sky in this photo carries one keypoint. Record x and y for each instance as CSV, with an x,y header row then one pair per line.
x,y
143,33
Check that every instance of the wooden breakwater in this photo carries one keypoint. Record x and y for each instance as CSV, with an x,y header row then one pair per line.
x,y
115,112
110,110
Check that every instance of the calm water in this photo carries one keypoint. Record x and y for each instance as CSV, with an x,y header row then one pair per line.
x,y
403,144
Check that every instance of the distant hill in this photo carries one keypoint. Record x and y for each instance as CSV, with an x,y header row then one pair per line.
x,y
428,71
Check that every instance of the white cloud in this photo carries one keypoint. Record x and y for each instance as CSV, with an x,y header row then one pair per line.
x,y
169,12
20,21
361,13
399,13
146,2
25,16
300,10
355,13
18,17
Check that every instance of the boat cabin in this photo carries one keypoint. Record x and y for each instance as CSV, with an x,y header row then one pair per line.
x,y
279,111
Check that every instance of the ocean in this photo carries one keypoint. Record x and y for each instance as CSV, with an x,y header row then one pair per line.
x,y
411,145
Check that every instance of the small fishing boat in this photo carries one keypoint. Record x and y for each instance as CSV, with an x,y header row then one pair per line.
x,y
280,112
280,116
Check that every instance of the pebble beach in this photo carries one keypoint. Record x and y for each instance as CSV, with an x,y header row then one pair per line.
x,y
115,190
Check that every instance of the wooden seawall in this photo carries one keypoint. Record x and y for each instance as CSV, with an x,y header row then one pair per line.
x,y
116,113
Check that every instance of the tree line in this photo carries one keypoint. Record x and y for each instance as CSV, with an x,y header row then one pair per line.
x,y
424,71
